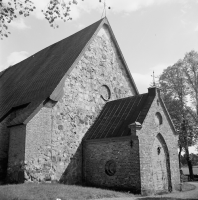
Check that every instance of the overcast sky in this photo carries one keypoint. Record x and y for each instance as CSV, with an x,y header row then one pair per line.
x,y
152,34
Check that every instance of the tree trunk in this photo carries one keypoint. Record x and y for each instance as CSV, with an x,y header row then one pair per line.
x,y
179,156
189,164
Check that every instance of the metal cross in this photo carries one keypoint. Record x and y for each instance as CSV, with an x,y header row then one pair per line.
x,y
154,79
104,9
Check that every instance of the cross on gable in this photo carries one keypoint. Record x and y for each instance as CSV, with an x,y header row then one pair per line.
x,y
154,84
104,9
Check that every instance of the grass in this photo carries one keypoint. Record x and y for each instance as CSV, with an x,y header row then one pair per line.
x,y
34,191
162,198
185,187
186,171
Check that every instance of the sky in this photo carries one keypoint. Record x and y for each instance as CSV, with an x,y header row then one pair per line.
x,y
152,34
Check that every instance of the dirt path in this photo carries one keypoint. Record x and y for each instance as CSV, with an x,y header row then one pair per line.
x,y
192,194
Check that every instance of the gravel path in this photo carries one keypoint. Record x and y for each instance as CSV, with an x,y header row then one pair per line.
x,y
192,194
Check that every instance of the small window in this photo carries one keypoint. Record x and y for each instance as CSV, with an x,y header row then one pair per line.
x,y
158,118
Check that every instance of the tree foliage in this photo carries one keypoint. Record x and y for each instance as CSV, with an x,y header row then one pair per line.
x,y
175,91
193,157
190,70
179,83
11,9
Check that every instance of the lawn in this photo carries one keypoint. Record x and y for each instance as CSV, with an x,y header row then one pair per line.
x,y
34,191
186,171
185,187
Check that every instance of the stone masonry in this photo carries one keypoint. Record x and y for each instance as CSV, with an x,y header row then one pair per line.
x,y
53,149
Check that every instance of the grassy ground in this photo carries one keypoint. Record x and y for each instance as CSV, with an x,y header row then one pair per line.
x,y
33,191
185,187
176,196
186,171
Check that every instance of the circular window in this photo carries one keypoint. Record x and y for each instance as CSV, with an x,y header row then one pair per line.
x,y
158,118
105,92
110,167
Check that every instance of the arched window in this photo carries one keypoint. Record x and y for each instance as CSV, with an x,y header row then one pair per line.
x,y
158,118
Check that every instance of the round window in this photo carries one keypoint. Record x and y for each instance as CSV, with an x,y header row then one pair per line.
x,y
110,167
105,92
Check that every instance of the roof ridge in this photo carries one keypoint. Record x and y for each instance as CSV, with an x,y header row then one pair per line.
x,y
127,97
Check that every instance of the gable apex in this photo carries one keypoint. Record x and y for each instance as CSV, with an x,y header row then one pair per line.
x,y
155,91
106,22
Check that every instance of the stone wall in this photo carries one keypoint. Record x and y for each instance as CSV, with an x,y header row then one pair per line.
x,y
54,135
97,154
147,135
39,149
4,143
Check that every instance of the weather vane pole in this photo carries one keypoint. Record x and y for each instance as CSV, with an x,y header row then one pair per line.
x,y
104,9
153,79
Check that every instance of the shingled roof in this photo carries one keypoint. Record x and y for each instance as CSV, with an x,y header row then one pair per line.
x,y
33,80
116,116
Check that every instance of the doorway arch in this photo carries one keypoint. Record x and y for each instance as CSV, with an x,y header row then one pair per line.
x,y
161,165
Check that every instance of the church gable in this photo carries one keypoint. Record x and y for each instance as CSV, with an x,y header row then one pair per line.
x,y
54,134
158,149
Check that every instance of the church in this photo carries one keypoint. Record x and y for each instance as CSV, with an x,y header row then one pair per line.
x,y
72,113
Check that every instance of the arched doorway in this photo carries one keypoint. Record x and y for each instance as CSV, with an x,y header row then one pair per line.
x,y
161,165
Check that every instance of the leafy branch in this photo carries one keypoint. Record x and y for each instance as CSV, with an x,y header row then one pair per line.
x,y
14,8
58,9
8,13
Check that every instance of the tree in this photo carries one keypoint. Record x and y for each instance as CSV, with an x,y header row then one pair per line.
x,y
190,69
175,92
193,157
12,8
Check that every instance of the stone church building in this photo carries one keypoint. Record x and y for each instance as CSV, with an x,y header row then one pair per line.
x,y
72,113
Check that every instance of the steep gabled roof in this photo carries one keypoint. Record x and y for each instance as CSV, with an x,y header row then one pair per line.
x,y
34,79
116,116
